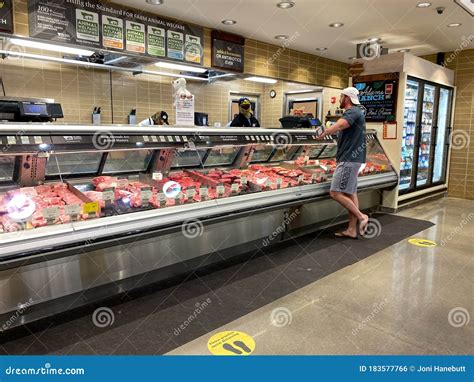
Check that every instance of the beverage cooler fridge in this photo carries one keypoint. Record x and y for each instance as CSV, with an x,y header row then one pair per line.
x,y
426,131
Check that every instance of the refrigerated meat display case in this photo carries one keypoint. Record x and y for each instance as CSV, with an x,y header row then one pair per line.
x,y
426,131
87,212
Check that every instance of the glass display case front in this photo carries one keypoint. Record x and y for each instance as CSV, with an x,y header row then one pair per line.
x,y
83,185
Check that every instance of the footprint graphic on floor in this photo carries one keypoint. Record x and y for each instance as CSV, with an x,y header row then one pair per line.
x,y
234,350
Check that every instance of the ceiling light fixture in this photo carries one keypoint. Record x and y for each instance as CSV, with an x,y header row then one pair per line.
x,y
374,39
336,25
286,4
281,37
155,2
321,49
403,50
51,47
453,25
229,22
262,80
187,68
423,5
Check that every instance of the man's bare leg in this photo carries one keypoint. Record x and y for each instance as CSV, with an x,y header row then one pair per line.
x,y
348,203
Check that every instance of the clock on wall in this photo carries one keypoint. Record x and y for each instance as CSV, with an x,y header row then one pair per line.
x,y
273,93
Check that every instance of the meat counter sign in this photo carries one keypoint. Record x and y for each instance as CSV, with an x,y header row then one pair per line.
x,y
96,24
227,55
6,20
379,98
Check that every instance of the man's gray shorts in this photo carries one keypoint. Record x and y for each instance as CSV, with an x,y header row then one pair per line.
x,y
345,177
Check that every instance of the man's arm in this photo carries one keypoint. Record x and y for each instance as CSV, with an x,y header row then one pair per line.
x,y
340,125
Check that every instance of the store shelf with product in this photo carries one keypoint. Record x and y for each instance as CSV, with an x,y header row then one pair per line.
x,y
72,197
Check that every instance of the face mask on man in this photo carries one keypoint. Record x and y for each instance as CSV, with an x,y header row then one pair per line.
x,y
245,108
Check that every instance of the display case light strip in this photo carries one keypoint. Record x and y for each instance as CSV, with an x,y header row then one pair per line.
x,y
9,53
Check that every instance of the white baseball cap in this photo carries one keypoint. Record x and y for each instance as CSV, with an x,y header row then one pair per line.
x,y
353,94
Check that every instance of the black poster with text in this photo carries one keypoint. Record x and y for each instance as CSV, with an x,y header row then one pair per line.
x,y
102,25
379,98
6,18
227,55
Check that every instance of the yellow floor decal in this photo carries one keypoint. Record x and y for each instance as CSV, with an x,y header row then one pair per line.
x,y
422,242
231,343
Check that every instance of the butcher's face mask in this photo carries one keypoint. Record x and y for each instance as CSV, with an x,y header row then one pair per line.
x,y
245,108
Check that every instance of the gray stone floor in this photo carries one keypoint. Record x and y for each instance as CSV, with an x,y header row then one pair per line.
x,y
404,299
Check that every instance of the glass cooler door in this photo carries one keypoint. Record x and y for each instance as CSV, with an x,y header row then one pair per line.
x,y
408,137
423,165
442,142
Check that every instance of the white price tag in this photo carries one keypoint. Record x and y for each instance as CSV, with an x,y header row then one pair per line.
x,y
220,189
306,159
146,138
72,209
190,192
324,167
122,183
50,213
157,176
154,138
161,197
300,178
243,180
146,194
25,140
279,182
204,192
11,140
108,195
162,138
38,139
234,187
268,183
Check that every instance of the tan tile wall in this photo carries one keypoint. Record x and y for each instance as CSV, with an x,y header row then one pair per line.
x,y
461,171
80,89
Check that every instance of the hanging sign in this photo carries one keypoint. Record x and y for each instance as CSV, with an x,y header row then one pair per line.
x,y
378,96
227,51
6,18
99,25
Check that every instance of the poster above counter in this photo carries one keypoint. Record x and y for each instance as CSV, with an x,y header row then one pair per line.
x,y
100,25
378,96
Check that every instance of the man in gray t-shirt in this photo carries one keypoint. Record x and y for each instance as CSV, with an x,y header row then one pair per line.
x,y
351,152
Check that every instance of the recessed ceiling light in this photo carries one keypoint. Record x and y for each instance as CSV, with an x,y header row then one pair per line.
x,y
423,5
452,25
285,4
336,25
403,50
155,2
282,37
321,49
374,39
229,22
